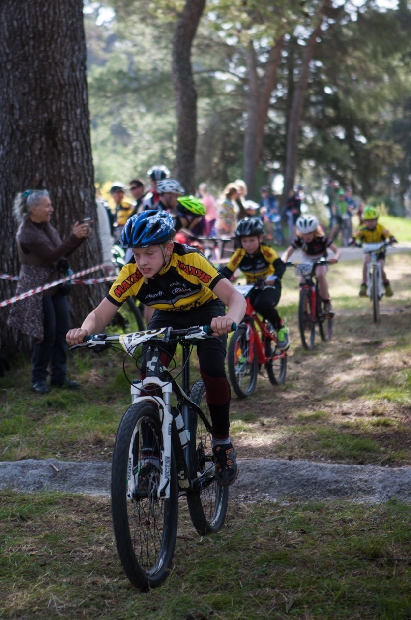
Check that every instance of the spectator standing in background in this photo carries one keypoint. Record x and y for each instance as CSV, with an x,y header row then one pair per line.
x,y
352,205
211,210
293,210
226,219
155,174
240,200
45,316
104,233
269,210
137,191
252,209
124,209
331,193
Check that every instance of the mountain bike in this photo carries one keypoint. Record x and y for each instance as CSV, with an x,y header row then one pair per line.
x,y
310,308
252,346
163,449
122,319
375,289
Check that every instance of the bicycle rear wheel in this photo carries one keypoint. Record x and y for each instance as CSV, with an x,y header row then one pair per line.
x,y
243,373
276,368
305,323
375,296
207,502
145,527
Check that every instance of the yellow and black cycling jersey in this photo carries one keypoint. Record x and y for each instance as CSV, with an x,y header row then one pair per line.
x,y
186,282
376,235
265,262
123,212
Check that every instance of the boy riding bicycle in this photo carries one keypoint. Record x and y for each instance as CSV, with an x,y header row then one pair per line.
x,y
258,261
372,232
185,290
311,241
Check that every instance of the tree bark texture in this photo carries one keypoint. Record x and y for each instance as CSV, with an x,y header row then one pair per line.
x,y
185,93
44,134
294,119
258,101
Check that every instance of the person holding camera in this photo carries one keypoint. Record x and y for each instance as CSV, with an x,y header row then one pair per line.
x,y
44,316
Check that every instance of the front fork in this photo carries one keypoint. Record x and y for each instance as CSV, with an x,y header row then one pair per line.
x,y
166,417
374,264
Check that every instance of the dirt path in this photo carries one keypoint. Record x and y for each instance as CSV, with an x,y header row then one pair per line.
x,y
258,479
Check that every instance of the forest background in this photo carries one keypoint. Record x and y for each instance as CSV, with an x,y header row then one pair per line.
x,y
354,121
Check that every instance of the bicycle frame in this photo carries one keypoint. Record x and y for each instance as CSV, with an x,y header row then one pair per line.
x,y
159,376
249,321
312,287
373,249
311,283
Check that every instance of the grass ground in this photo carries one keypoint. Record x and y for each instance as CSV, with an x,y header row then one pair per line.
x,y
347,401
313,561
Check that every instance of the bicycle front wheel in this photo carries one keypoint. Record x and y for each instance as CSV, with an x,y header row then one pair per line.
x,y
305,323
145,527
276,367
207,501
243,372
325,325
375,296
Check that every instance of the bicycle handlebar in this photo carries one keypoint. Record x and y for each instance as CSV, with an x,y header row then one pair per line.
x,y
105,341
318,262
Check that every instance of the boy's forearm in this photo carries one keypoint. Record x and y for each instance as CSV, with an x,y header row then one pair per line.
x,y
236,307
93,324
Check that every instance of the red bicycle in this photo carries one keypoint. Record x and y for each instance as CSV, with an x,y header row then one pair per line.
x,y
252,346
311,310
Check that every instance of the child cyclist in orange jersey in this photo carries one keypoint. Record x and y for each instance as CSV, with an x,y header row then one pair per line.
x,y
372,232
185,290
257,260
311,241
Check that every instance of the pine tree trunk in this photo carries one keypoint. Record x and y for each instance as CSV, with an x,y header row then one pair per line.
x,y
253,111
185,93
258,102
296,112
44,134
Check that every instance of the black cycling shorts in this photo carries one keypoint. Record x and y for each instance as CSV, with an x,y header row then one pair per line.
x,y
211,351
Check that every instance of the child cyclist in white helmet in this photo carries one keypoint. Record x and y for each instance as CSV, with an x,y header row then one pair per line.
x,y
311,241
258,261
185,290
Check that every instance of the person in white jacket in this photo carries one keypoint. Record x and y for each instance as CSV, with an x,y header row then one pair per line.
x,y
106,240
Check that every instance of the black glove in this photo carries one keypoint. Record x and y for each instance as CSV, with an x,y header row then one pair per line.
x,y
392,239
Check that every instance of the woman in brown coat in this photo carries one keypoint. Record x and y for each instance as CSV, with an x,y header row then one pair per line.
x,y
44,316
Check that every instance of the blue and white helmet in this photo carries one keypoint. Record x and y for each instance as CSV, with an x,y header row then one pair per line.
x,y
147,228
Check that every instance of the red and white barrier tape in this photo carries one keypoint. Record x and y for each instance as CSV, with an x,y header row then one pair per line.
x,y
95,280
44,287
4,276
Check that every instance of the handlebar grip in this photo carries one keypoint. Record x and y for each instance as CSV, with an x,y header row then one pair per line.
x,y
209,331
87,338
